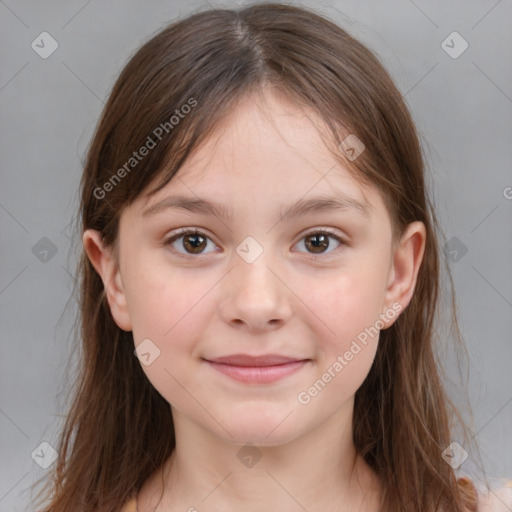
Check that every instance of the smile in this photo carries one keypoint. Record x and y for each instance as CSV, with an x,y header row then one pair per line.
x,y
258,374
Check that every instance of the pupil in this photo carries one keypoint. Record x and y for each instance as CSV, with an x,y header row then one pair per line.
x,y
196,244
323,244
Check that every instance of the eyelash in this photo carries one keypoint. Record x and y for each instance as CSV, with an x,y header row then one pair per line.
x,y
182,232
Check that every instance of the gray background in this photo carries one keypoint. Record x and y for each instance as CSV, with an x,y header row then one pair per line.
x,y
49,109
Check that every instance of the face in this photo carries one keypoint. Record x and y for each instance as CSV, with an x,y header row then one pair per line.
x,y
261,279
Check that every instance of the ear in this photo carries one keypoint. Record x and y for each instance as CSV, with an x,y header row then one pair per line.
x,y
407,258
106,265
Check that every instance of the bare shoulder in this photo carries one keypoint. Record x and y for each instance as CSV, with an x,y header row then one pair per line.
x,y
130,505
498,498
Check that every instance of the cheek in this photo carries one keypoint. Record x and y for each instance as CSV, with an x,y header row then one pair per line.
x,y
350,306
168,308
173,333
344,304
164,302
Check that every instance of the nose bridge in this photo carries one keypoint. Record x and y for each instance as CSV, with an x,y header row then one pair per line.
x,y
250,249
255,295
252,266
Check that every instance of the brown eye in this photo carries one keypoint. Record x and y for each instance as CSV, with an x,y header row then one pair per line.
x,y
318,242
193,242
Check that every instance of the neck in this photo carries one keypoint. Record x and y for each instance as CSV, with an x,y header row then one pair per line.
x,y
320,470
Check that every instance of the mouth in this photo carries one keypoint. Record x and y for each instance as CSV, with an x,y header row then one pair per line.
x,y
258,370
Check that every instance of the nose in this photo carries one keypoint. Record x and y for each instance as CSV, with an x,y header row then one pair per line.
x,y
255,297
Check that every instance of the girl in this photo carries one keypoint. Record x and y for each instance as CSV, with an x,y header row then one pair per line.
x,y
259,284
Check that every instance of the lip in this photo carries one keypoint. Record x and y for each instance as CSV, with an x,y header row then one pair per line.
x,y
248,360
260,370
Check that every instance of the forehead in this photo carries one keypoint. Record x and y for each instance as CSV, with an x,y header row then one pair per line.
x,y
268,150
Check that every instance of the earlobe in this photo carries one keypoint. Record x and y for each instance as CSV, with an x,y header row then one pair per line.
x,y
407,260
106,265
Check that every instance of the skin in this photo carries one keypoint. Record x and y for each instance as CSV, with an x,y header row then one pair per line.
x,y
290,301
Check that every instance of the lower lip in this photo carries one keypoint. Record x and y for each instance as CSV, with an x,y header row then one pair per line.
x,y
258,374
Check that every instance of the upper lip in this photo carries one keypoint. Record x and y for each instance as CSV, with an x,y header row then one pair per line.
x,y
247,360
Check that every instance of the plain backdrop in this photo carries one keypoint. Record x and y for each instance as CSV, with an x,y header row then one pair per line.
x,y
461,102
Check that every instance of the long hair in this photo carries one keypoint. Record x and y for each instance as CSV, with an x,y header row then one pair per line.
x,y
119,429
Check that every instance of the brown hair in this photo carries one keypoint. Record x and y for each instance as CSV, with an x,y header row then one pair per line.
x,y
120,430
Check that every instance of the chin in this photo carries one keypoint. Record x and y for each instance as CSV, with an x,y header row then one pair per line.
x,y
261,439
269,430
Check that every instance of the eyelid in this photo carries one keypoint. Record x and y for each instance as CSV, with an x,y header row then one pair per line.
x,y
333,233
175,235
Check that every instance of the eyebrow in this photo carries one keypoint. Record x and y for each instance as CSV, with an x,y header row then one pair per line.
x,y
301,207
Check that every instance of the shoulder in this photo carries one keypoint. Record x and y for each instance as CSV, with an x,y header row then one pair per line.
x,y
130,505
498,498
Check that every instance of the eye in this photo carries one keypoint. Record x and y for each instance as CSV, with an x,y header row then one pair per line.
x,y
318,241
193,242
